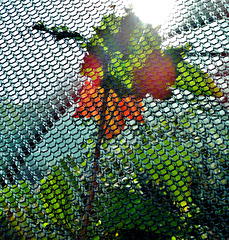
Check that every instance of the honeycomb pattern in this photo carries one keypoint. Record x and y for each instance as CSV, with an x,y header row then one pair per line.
x,y
111,128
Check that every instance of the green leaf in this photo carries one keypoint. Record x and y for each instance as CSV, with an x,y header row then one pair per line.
x,y
190,77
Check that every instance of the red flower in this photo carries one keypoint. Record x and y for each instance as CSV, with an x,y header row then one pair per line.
x,y
155,77
92,68
108,109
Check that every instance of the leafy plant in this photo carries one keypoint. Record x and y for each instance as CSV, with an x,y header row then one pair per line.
x,y
140,179
190,77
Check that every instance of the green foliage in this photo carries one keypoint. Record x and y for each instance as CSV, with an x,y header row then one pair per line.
x,y
190,77
46,211
122,44
21,212
56,196
160,162
141,183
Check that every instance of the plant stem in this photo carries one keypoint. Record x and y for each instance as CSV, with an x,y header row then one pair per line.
x,y
95,166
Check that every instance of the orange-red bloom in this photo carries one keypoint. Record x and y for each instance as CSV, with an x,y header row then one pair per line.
x,y
92,68
156,77
108,109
